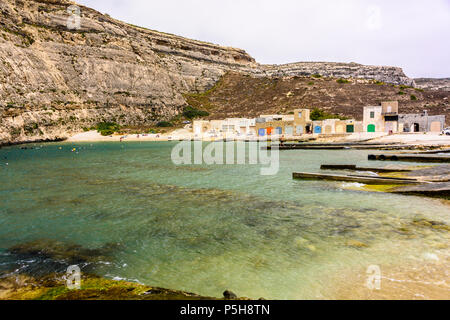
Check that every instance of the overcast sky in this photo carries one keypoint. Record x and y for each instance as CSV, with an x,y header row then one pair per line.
x,y
412,34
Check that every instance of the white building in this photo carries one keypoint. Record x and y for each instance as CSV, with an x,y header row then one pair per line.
x,y
224,128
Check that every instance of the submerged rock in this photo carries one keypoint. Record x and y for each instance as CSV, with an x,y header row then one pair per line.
x,y
229,295
356,244
431,224
60,251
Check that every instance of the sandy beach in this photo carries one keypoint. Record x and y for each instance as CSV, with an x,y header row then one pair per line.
x,y
94,136
415,138
429,139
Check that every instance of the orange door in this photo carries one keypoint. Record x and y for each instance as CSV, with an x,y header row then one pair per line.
x,y
269,131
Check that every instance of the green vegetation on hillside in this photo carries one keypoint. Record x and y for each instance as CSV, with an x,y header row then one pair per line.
x,y
107,128
164,124
201,100
192,113
318,114
342,81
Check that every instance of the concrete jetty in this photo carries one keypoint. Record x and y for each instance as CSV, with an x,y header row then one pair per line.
x,y
354,178
340,146
430,181
410,158
355,168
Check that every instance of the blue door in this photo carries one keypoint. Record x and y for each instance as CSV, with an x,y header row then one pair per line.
x,y
317,129
279,130
261,132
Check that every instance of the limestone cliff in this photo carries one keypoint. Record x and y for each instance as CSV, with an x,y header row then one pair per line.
x,y
433,84
56,81
392,75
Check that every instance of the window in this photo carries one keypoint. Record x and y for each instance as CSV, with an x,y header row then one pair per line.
x,y
300,114
228,128
372,115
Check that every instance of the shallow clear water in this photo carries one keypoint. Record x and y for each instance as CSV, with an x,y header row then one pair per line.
x,y
203,228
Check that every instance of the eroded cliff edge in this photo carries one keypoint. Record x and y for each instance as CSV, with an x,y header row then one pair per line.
x,y
56,81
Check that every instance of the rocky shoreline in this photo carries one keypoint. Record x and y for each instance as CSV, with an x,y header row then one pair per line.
x,y
9,144
49,280
54,287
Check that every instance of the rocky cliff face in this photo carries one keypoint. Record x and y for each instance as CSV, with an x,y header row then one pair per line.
x,y
433,84
339,70
55,81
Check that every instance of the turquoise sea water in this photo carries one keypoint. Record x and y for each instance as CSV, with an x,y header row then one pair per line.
x,y
204,228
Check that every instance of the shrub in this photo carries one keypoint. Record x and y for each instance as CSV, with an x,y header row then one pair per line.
x,y
15,132
316,76
30,129
401,93
107,128
106,132
164,124
192,113
318,114
342,81
125,93
413,97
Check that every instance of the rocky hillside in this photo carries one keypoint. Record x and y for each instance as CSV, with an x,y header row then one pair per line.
x,y
338,70
55,81
238,95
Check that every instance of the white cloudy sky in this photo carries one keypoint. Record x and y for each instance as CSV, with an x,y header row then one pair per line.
x,y
412,34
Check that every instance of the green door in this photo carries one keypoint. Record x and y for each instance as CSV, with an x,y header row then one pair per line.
x,y
371,128
350,128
